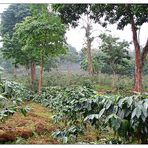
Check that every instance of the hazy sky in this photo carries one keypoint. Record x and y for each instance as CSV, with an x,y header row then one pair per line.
x,y
75,37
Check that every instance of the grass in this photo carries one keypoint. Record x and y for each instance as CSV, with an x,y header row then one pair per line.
x,y
102,87
101,81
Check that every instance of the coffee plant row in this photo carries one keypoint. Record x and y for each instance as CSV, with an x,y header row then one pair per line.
x,y
12,96
79,106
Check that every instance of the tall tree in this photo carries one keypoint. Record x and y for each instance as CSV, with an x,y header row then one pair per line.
x,y
14,14
70,14
88,42
44,33
115,53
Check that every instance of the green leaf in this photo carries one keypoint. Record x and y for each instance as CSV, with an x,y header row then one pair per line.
x,y
146,105
129,101
133,113
144,111
109,103
91,117
2,97
115,123
146,129
23,111
101,112
11,111
136,112
121,113
115,109
120,103
109,117
125,124
143,118
102,102
65,139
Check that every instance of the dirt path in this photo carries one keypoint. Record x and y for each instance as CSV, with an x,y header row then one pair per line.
x,y
35,128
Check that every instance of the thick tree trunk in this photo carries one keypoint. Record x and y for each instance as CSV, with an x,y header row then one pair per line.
x,y
41,78
138,73
32,74
89,40
138,61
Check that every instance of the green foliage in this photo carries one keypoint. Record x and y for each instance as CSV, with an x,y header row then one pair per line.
x,y
121,14
41,37
69,135
96,64
87,83
51,62
112,13
6,64
59,79
126,116
79,106
42,30
13,89
70,56
112,57
11,99
69,103
14,14
115,53
25,110
70,13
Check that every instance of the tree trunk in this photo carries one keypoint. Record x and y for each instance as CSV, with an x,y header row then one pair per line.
x,y
89,58
114,79
32,74
89,40
114,76
138,73
41,78
138,61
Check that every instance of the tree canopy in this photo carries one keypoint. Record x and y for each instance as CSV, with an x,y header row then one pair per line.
x,y
70,13
14,14
115,52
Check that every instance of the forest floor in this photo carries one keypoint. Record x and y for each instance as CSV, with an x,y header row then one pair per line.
x,y
37,128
